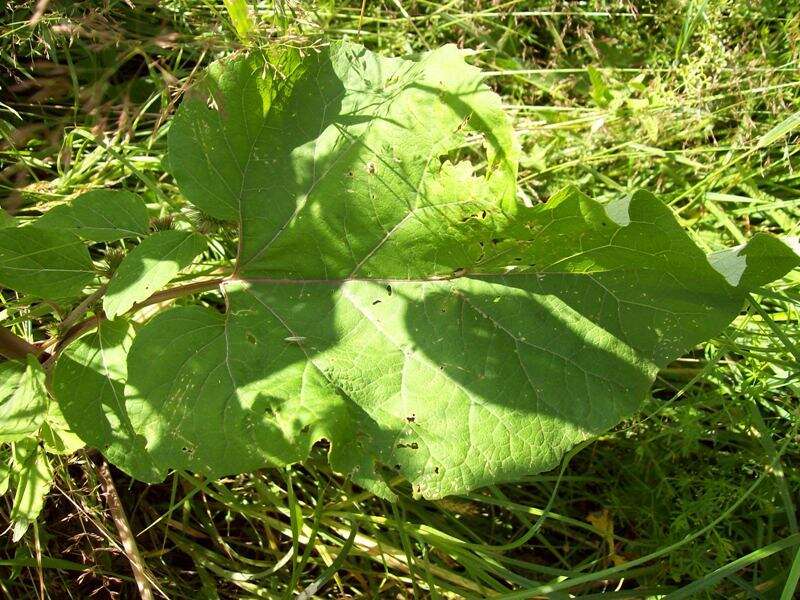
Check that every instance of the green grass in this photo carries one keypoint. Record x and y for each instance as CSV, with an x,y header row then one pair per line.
x,y
695,100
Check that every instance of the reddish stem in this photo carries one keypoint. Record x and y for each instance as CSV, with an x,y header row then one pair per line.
x,y
13,347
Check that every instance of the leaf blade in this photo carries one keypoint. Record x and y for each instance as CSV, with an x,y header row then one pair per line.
x,y
392,297
100,216
237,11
46,263
33,478
23,399
88,383
149,267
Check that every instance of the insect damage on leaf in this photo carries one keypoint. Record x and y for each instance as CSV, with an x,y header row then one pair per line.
x,y
390,294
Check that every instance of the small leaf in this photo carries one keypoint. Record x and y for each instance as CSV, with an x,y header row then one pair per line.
x,y
149,267
33,478
600,93
23,399
88,383
56,434
237,11
99,216
47,263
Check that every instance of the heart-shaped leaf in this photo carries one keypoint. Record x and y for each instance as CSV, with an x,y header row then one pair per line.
x,y
393,297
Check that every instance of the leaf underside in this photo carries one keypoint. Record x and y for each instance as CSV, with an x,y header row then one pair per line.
x,y
390,294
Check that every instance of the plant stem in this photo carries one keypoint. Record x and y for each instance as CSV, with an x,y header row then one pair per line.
x,y
74,333
79,310
12,346
177,292
124,531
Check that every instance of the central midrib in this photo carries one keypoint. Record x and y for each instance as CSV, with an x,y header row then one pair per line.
x,y
386,280
389,280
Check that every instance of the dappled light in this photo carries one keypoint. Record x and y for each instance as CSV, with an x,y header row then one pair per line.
x,y
399,299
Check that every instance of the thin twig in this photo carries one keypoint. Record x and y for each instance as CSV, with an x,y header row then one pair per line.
x,y
81,309
82,327
179,292
73,334
38,12
124,531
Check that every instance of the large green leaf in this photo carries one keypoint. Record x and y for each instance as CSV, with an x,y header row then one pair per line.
x,y
48,263
89,382
23,399
149,267
100,216
392,296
